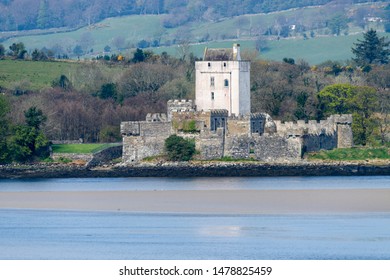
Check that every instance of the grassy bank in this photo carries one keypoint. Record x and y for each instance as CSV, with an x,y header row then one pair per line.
x,y
352,154
80,148
35,75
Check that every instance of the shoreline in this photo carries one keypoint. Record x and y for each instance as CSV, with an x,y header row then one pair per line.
x,y
197,169
205,202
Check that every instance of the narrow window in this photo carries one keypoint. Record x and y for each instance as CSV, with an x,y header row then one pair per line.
x,y
212,96
226,83
212,81
251,148
209,64
224,64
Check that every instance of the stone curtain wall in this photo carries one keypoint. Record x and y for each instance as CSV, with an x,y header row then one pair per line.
x,y
313,143
148,143
211,145
271,148
284,142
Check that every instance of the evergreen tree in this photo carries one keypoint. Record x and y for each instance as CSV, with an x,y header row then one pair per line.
x,y
2,51
371,50
4,126
42,20
34,117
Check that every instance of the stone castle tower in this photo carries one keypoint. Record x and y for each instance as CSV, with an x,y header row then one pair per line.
x,y
223,81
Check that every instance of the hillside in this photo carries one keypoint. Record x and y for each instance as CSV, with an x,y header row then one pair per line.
x,y
315,34
43,14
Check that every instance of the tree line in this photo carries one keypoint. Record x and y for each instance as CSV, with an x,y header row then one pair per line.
x,y
92,104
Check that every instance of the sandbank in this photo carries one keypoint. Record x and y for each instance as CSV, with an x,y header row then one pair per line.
x,y
229,202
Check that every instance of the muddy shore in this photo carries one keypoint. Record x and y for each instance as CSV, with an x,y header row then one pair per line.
x,y
197,169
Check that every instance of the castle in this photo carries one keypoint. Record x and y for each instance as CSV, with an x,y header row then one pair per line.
x,y
222,125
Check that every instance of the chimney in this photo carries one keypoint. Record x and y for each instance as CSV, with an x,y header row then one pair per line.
x,y
236,52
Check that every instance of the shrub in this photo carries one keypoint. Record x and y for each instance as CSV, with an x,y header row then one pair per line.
x,y
179,149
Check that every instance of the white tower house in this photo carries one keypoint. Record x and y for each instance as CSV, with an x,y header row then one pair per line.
x,y
223,81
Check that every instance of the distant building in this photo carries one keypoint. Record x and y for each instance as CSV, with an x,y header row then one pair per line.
x,y
222,124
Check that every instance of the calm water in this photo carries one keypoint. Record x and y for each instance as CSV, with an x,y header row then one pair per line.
x,y
28,234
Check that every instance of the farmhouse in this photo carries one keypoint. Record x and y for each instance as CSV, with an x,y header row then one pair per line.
x,y
222,125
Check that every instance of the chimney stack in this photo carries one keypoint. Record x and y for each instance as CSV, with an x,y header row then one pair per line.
x,y
236,52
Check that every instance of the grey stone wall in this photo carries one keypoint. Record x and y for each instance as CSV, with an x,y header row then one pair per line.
x,y
312,143
74,157
105,156
275,148
237,146
345,136
264,148
271,140
211,145
144,139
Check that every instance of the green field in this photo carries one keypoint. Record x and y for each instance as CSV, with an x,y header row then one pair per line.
x,y
80,148
352,154
36,74
314,51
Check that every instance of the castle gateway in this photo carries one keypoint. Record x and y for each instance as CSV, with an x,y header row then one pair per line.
x,y
222,125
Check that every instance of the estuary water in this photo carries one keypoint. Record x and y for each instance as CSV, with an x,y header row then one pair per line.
x,y
52,234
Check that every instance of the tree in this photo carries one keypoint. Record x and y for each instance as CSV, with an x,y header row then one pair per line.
x,y
363,104
337,24
62,82
34,117
360,101
78,50
4,110
335,99
139,56
42,20
28,141
108,91
2,51
371,50
18,50
179,149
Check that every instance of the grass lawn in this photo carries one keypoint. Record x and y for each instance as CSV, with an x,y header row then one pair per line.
x,y
351,154
80,148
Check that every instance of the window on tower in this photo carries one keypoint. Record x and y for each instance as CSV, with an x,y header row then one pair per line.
x,y
226,83
212,81
212,96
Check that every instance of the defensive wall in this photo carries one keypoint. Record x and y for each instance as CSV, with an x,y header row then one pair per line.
x,y
218,135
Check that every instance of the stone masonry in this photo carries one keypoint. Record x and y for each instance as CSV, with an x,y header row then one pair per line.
x,y
247,136
221,124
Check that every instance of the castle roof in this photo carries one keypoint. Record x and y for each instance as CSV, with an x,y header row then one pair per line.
x,y
218,54
223,54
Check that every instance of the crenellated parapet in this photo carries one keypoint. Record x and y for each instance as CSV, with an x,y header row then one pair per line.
x,y
180,106
156,117
312,127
